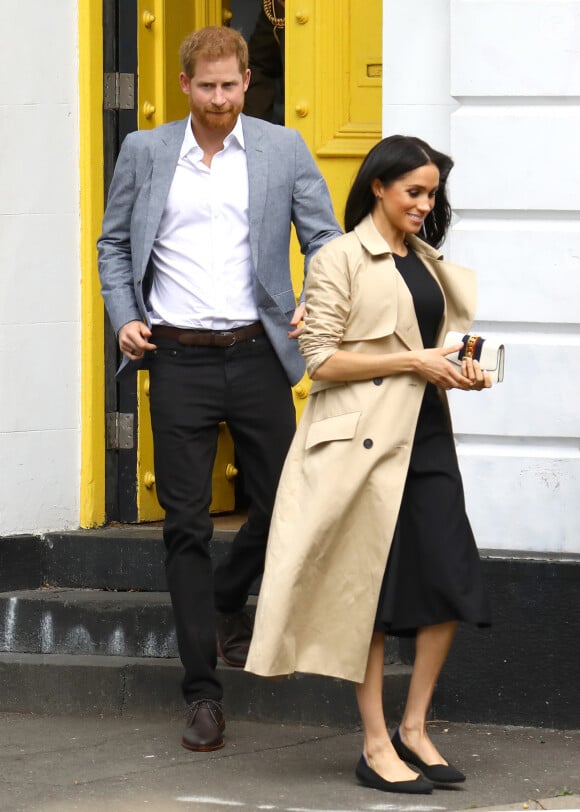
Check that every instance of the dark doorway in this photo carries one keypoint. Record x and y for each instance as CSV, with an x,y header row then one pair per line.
x,y
119,118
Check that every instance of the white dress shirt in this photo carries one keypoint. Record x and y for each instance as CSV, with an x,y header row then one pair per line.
x,y
203,270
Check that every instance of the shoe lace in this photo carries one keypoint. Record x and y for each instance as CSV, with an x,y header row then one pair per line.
x,y
212,706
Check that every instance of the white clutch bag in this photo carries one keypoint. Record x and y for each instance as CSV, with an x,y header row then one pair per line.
x,y
491,355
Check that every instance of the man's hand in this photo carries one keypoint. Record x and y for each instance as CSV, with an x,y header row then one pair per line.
x,y
297,321
133,339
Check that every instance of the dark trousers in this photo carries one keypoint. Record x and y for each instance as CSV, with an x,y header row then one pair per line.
x,y
193,389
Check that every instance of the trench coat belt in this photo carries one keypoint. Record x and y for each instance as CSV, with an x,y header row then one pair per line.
x,y
208,338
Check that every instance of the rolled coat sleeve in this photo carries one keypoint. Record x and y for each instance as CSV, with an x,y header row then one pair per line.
x,y
328,305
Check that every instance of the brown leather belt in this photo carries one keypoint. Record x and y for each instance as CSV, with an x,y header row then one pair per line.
x,y
208,338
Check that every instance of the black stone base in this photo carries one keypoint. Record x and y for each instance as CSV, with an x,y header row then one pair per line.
x,y
525,669
21,562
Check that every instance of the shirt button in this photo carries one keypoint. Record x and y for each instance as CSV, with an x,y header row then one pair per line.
x,y
368,443
377,381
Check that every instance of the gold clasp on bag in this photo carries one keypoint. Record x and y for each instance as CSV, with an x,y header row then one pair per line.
x,y
470,346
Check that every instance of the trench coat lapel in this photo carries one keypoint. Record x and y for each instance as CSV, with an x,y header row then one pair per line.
x,y
458,285
407,328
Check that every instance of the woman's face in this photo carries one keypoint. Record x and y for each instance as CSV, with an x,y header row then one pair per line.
x,y
403,205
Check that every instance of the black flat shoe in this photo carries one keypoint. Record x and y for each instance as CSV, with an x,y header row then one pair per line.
x,y
369,778
437,773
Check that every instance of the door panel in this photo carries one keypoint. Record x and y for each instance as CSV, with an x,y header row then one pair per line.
x,y
333,96
161,26
333,84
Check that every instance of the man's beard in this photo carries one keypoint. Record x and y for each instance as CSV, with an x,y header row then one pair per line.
x,y
217,119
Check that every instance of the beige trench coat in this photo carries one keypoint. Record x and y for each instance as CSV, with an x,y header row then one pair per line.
x,y
342,483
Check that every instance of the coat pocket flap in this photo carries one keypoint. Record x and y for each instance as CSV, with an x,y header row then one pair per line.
x,y
340,427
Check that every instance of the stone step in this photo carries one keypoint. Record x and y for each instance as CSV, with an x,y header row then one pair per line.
x,y
116,557
112,557
85,621
94,633
90,684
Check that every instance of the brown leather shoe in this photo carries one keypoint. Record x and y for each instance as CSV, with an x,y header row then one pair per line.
x,y
204,725
234,632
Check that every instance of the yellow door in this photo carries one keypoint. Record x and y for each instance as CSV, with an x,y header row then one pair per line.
x,y
333,72
333,78
162,24
333,84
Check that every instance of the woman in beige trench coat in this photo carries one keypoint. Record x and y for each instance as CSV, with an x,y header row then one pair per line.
x,y
348,474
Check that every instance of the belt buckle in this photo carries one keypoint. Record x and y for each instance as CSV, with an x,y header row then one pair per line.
x,y
224,334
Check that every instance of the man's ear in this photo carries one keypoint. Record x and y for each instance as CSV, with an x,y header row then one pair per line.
x,y
184,82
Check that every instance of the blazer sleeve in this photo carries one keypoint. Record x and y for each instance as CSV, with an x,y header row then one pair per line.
x,y
114,244
312,211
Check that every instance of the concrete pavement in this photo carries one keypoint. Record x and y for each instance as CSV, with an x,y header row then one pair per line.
x,y
122,764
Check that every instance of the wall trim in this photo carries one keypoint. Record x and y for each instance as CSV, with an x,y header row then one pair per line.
x,y
90,50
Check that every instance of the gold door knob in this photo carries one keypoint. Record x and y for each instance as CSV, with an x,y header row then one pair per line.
x,y
149,479
148,19
302,17
301,391
231,472
302,109
148,110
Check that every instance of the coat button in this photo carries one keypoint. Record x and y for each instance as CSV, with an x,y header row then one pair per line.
x,y
368,443
377,381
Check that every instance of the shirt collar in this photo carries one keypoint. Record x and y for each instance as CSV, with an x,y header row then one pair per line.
x,y
189,143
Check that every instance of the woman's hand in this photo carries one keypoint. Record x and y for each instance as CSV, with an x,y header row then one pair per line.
x,y
433,366
478,377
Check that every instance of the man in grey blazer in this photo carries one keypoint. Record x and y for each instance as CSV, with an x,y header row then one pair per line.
x,y
195,275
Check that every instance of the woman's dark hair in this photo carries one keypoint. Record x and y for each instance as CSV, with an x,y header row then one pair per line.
x,y
390,159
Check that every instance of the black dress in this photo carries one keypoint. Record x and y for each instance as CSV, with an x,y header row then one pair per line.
x,y
433,574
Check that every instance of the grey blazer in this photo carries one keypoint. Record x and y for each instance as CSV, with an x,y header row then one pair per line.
x,y
285,187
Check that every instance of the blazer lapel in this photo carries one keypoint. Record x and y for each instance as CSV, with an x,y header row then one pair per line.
x,y
165,160
258,172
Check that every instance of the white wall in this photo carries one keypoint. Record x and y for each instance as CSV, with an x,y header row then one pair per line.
x,y
39,267
497,83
